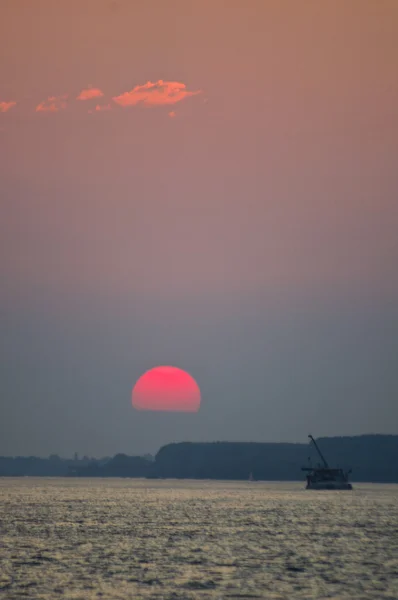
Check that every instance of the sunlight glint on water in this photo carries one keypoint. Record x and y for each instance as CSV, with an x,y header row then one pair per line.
x,y
88,538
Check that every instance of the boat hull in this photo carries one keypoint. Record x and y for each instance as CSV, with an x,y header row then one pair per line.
x,y
329,485
323,477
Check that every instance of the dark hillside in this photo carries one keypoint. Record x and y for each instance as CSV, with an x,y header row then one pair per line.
x,y
231,460
371,457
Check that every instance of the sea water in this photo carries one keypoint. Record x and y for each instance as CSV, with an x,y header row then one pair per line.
x,y
128,538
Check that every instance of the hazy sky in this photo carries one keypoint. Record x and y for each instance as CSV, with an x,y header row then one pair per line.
x,y
237,216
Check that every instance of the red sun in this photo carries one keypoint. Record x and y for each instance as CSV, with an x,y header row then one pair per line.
x,y
166,389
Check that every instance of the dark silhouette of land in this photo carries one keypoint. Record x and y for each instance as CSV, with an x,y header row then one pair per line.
x,y
372,458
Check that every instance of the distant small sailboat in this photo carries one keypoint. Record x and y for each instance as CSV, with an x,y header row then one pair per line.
x,y
251,476
325,478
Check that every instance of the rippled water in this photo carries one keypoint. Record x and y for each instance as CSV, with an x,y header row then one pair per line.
x,y
82,538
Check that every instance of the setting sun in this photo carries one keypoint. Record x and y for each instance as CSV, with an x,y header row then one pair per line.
x,y
166,388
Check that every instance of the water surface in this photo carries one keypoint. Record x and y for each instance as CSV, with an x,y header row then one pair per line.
x,y
113,538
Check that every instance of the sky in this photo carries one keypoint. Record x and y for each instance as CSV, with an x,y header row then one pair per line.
x,y
208,184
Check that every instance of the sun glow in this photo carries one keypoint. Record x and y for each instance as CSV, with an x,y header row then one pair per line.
x,y
166,388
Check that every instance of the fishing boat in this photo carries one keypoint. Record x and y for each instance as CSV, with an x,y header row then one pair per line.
x,y
322,477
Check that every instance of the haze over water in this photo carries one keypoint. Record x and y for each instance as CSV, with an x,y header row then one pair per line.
x,y
208,184
193,539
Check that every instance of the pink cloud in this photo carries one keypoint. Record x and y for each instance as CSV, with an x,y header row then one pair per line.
x,y
52,104
5,106
172,114
90,93
155,94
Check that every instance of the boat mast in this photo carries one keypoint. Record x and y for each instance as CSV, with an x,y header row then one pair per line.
x,y
319,452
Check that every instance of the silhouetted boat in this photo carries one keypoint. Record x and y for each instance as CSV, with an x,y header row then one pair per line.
x,y
322,477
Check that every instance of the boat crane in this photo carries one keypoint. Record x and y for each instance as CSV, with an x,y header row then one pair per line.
x,y
324,477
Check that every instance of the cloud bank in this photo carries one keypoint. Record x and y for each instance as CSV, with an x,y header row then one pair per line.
x,y
155,94
52,104
90,93
5,106
159,93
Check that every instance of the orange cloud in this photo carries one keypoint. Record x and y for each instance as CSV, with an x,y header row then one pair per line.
x,y
52,104
155,94
90,93
172,114
5,106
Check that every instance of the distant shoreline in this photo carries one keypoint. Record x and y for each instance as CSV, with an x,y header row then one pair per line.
x,y
372,458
